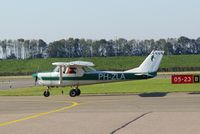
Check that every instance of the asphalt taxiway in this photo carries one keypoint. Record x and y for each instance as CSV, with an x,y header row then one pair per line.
x,y
158,113
11,82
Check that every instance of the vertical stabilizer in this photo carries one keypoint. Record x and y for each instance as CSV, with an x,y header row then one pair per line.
x,y
150,64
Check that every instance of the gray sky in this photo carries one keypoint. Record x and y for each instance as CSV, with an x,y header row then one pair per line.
x,y
95,19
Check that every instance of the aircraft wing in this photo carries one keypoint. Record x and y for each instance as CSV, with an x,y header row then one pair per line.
x,y
73,63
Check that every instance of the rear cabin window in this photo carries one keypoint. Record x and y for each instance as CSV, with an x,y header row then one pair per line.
x,y
88,69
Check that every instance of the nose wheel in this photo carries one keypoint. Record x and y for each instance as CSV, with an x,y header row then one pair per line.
x,y
74,92
46,93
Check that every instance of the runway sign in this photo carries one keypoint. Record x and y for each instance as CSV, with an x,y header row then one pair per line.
x,y
184,79
196,78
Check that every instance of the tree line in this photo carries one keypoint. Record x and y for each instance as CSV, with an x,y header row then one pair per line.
x,y
74,47
121,47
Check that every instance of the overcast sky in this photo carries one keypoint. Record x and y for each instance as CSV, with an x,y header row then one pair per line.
x,y
95,19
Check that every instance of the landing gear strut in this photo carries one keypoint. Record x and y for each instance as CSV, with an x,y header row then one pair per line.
x,y
74,92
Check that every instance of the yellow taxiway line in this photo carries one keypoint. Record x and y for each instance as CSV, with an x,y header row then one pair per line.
x,y
73,104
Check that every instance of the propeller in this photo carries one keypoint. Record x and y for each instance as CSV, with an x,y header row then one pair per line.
x,y
36,78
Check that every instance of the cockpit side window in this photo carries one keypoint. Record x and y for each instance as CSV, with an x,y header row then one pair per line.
x,y
57,69
71,70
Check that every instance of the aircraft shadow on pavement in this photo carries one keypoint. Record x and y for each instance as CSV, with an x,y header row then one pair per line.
x,y
153,94
193,93
109,94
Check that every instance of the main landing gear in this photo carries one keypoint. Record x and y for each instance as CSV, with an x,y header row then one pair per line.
x,y
74,92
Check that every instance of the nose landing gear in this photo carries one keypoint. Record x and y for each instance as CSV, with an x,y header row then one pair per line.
x,y
46,93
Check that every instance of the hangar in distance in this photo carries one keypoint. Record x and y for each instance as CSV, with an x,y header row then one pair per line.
x,y
77,73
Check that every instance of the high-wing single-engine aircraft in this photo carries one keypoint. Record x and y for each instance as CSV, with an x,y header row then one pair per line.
x,y
78,73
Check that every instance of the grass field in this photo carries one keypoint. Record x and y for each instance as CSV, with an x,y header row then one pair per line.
x,y
141,86
18,67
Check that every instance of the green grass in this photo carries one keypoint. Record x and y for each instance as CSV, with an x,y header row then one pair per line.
x,y
141,86
180,61
17,67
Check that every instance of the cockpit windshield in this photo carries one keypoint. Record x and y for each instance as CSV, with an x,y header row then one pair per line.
x,y
56,69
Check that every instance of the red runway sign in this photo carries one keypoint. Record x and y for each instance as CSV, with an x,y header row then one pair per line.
x,y
182,79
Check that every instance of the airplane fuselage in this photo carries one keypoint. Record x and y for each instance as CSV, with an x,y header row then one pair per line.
x,y
53,79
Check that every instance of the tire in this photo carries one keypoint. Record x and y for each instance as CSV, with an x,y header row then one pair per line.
x,y
78,92
73,93
46,93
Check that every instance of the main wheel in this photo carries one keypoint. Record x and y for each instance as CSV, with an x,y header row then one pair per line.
x,y
46,93
78,92
73,93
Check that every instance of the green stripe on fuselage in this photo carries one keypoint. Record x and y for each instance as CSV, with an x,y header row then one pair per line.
x,y
104,76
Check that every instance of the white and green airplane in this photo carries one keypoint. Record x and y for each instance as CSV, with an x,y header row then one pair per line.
x,y
78,73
